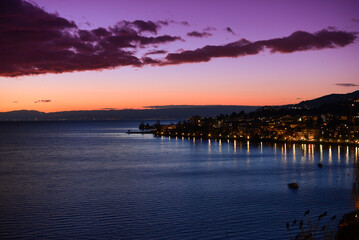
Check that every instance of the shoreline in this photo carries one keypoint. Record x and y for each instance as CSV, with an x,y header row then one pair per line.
x,y
255,140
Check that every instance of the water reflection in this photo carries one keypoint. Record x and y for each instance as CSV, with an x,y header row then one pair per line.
x,y
209,145
355,189
330,158
220,145
338,153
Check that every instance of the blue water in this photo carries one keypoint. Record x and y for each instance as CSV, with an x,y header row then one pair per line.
x,y
91,180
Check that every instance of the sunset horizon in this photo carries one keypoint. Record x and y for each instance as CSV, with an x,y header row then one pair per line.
x,y
59,58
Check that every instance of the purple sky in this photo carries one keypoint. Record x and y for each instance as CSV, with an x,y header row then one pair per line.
x,y
295,71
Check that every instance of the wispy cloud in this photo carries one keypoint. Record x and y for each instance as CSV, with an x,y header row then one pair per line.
x,y
109,109
43,101
199,34
156,52
347,84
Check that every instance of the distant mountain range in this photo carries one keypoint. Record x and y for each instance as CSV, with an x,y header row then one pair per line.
x,y
329,99
153,112
336,104
333,103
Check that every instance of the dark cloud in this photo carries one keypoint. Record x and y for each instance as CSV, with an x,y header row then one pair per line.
x,y
156,52
43,101
185,23
33,41
150,61
36,42
301,41
347,84
148,26
199,34
209,29
166,22
109,109
355,20
234,49
228,29
297,41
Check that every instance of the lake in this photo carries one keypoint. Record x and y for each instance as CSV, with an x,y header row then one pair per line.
x,y
92,180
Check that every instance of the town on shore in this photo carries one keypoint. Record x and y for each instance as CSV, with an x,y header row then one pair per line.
x,y
292,124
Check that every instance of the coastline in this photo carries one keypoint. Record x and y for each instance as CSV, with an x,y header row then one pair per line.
x,y
256,140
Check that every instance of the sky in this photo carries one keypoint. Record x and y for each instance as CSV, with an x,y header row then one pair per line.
x,y
61,55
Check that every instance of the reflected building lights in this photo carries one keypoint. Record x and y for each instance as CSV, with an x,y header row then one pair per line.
x,y
321,152
275,148
235,145
294,155
248,147
313,157
338,153
220,145
261,147
209,145
330,157
347,156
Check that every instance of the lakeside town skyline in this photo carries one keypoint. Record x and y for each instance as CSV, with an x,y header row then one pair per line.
x,y
170,53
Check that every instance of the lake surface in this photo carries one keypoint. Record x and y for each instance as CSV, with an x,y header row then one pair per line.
x,y
91,180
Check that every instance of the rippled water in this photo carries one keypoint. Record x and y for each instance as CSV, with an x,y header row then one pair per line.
x,y
91,180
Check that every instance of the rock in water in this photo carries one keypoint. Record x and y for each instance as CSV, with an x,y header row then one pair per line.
x,y
293,185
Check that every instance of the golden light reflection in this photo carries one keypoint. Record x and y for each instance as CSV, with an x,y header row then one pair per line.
x,y
275,148
313,157
235,146
248,147
338,153
347,156
220,145
330,157
261,147
355,189
321,152
294,155
209,145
